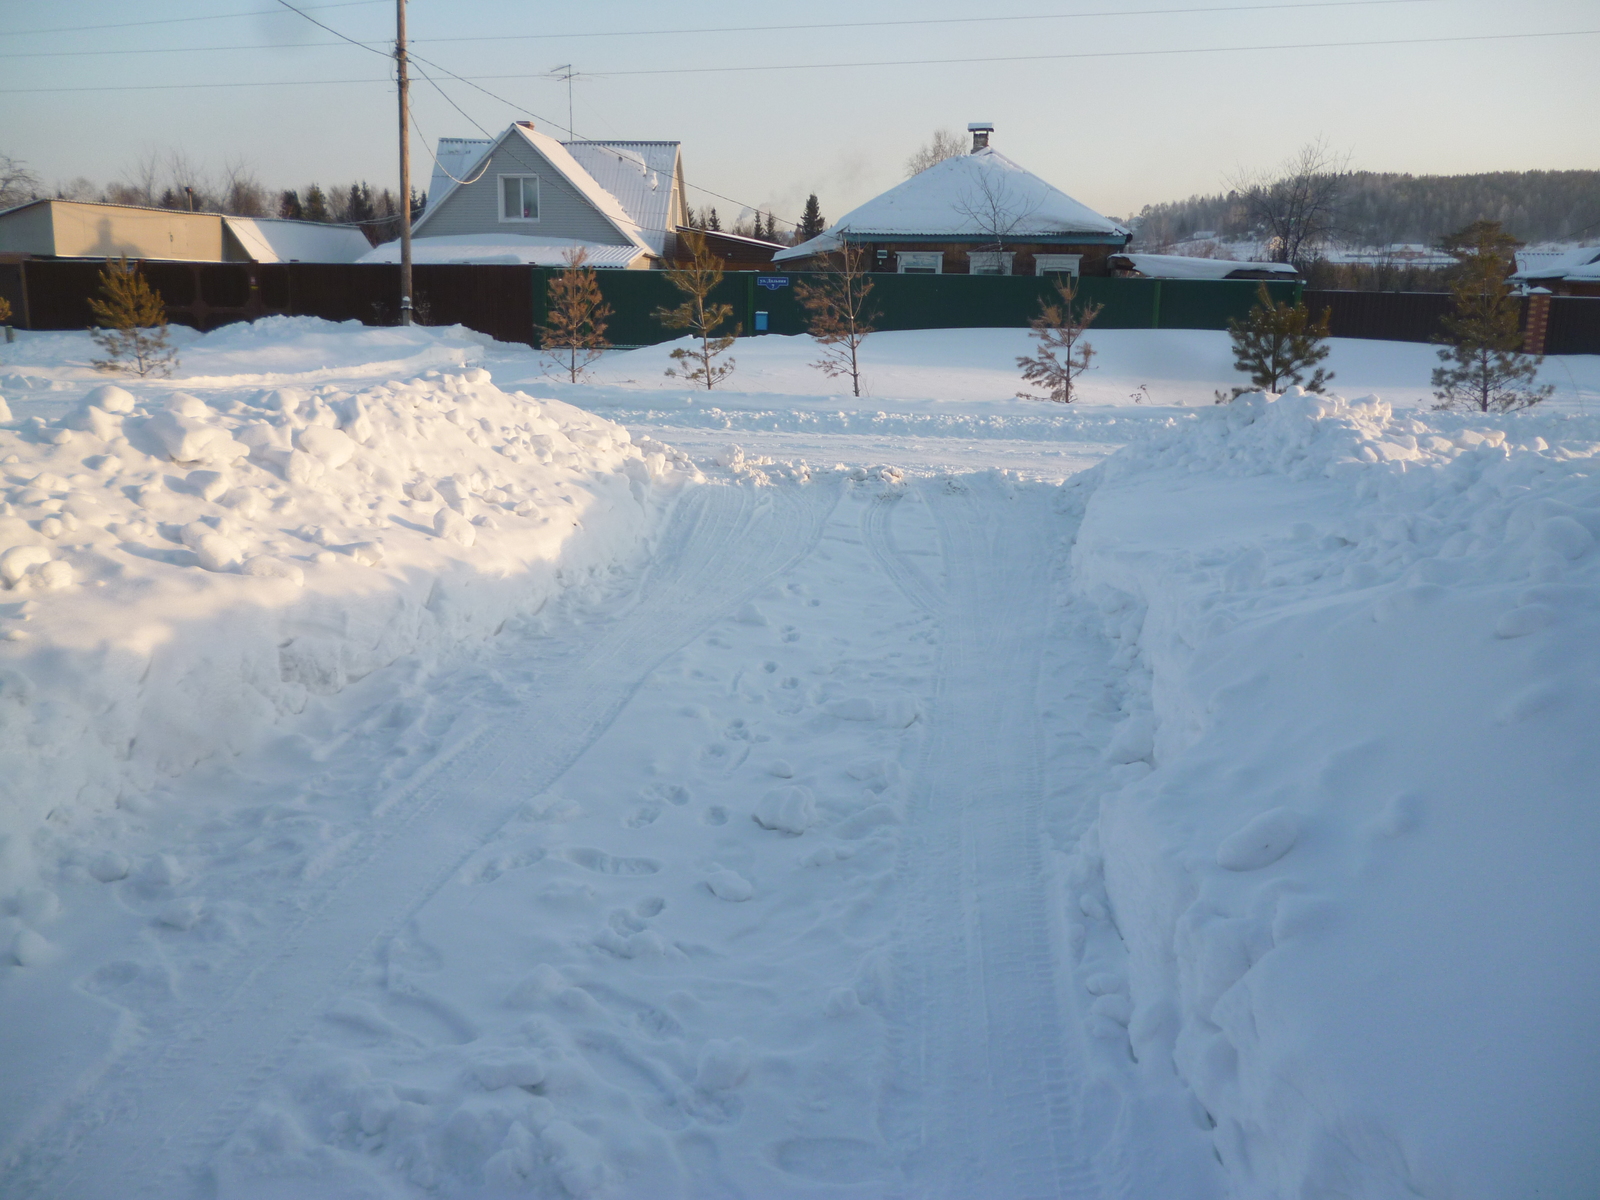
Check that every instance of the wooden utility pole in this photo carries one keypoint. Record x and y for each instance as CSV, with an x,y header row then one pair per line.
x,y
405,163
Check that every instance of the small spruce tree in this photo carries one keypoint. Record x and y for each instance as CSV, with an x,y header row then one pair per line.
x,y
1483,365
574,333
133,323
1277,344
713,223
316,205
289,206
840,316
811,222
1063,354
699,316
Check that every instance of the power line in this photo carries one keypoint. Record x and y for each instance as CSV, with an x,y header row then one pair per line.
x,y
255,12
902,62
626,33
363,45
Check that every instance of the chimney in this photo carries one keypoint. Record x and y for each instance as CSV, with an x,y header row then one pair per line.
x,y
528,125
980,131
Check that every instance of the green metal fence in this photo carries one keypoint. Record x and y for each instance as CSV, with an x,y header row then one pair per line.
x,y
922,301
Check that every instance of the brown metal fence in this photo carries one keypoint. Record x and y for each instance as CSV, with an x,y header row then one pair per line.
x,y
505,302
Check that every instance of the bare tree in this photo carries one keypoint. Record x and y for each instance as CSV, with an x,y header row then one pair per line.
x,y
18,184
996,209
945,143
840,316
1296,205
80,188
140,183
242,194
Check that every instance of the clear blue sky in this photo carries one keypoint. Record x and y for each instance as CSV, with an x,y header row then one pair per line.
x,y
1117,128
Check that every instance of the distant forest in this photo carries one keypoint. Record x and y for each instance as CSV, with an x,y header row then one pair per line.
x,y
1385,209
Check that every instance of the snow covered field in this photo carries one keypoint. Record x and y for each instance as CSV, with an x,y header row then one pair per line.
x,y
423,778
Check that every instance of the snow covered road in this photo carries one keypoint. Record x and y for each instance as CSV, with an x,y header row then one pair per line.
x,y
873,655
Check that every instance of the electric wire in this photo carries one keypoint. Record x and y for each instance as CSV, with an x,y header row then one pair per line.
x,y
255,12
627,33
902,62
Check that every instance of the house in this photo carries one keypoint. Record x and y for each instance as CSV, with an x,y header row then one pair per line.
x,y
1568,273
1180,266
525,197
81,229
978,213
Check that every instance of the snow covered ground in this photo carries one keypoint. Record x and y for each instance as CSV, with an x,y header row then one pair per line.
x,y
424,778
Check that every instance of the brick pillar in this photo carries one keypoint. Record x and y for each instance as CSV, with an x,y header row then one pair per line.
x,y
1533,334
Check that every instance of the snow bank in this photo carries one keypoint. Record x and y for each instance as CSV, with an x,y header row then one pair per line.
x,y
1353,862
177,573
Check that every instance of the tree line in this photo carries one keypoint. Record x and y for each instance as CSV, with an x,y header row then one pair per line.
x,y
1384,208
173,180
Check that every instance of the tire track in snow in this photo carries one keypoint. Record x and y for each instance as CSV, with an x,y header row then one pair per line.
x,y
152,1122
983,1094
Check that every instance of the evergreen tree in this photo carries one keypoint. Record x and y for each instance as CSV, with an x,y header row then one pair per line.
x,y
712,223
811,222
358,207
1277,344
1063,354
316,205
840,318
574,333
419,205
699,316
1483,364
133,323
289,206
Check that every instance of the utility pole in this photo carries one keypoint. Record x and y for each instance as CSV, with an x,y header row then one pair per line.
x,y
405,163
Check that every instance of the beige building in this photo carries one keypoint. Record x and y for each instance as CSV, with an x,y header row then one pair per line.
x,y
76,229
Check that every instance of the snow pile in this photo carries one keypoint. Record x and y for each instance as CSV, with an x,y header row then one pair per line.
x,y
1353,859
178,573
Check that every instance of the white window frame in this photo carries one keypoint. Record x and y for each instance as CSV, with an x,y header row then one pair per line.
x,y
1058,264
1004,259
500,198
917,262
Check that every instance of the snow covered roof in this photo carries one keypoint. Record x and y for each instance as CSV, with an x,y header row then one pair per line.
x,y
504,249
639,175
949,199
270,240
568,167
1580,263
1180,266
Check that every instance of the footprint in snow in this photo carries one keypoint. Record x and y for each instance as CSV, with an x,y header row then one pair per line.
x,y
607,864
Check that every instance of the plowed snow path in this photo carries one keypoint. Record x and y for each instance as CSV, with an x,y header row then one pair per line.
x,y
744,882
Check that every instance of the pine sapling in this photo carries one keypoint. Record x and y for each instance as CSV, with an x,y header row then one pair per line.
x,y
1277,344
574,333
1063,353
700,317
1484,367
840,317
133,323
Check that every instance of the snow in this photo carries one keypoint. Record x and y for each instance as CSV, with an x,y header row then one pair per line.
x,y
453,782
1179,266
948,199
268,240
508,249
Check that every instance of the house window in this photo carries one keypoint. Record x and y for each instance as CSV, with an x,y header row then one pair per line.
x,y
920,262
1057,264
990,262
519,197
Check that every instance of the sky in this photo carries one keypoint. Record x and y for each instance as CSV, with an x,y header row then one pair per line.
x,y
1121,103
